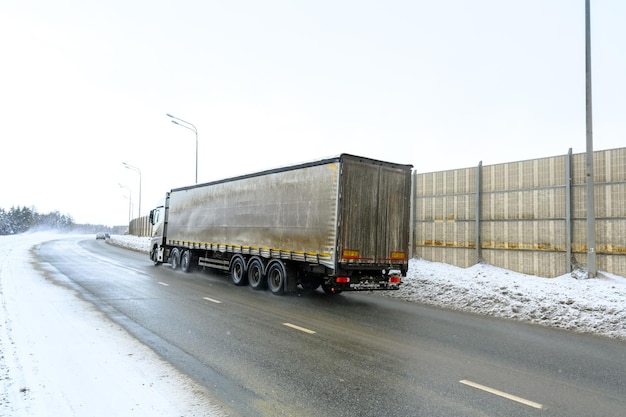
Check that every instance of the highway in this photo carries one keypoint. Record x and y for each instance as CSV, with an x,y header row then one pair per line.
x,y
354,354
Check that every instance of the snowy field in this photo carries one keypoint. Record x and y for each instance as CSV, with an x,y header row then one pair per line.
x,y
584,305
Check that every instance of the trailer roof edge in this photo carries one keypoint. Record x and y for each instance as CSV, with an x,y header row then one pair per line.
x,y
324,161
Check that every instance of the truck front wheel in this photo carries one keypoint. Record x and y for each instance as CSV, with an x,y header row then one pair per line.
x,y
154,254
256,278
276,278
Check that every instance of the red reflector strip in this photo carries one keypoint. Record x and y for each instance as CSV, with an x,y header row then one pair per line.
x,y
342,280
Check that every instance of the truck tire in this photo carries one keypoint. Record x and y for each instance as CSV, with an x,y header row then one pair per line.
x,y
153,256
238,271
175,258
256,278
186,261
276,278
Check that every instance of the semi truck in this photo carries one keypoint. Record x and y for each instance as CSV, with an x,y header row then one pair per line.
x,y
341,223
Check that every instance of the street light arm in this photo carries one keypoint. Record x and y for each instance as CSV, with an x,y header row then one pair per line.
x,y
193,129
129,166
130,200
133,168
184,121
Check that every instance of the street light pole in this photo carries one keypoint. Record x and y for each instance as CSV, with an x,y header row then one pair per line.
x,y
139,172
591,216
130,200
194,130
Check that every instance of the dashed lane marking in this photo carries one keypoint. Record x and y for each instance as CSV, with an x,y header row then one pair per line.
x,y
212,300
502,394
163,283
302,329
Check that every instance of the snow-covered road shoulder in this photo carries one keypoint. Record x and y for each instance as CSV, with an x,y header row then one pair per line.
x,y
61,357
588,306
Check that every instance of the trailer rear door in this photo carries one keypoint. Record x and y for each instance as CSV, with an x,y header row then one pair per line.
x,y
374,213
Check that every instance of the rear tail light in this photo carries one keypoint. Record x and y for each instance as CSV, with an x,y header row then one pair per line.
x,y
342,280
394,280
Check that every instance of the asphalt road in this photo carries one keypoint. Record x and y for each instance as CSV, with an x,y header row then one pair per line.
x,y
352,354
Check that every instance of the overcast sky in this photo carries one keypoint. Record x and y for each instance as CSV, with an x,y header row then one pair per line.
x,y
85,85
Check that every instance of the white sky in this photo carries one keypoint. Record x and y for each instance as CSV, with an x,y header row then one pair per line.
x,y
85,85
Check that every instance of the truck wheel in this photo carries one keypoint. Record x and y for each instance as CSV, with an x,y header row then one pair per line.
x,y
175,258
154,255
276,278
256,279
185,261
238,271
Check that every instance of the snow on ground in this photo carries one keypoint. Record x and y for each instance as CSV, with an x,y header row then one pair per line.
x,y
583,305
61,357
140,244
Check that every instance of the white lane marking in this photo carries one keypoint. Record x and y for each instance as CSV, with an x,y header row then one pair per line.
x,y
502,394
164,284
212,300
302,329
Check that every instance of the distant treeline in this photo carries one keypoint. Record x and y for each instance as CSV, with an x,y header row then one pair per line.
x,y
23,219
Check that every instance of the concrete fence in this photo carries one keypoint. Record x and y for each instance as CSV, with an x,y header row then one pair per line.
x,y
140,227
527,216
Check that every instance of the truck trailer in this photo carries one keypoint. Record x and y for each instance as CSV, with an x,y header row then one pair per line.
x,y
341,223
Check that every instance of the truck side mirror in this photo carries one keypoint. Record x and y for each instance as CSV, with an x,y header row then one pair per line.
x,y
152,217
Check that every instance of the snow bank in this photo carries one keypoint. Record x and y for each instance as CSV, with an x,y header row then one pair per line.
x,y
140,244
589,306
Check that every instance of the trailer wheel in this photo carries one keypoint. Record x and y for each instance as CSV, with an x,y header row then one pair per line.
x,y
276,278
238,271
256,278
185,261
175,258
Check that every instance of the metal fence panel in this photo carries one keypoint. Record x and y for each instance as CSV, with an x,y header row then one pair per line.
x,y
524,214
